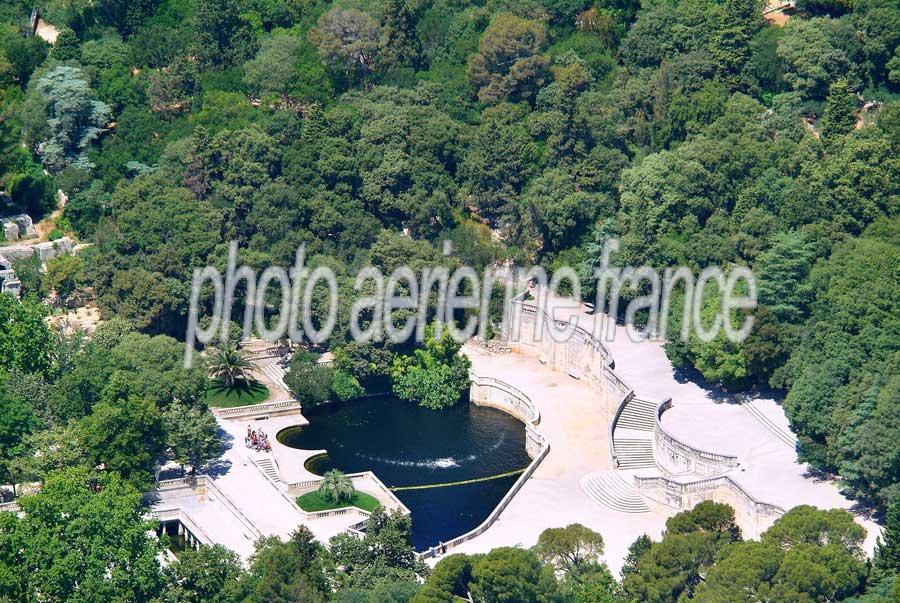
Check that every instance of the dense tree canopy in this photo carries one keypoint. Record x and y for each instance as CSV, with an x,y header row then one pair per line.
x,y
695,131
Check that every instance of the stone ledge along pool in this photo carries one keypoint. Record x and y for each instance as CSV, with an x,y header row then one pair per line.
x,y
471,455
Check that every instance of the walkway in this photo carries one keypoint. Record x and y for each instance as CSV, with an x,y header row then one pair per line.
x,y
577,426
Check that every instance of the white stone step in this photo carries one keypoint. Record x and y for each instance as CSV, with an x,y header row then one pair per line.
x,y
609,489
634,453
268,468
638,414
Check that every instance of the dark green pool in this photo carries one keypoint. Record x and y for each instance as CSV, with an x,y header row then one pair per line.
x,y
406,445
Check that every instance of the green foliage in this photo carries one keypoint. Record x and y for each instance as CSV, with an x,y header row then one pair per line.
x,y
82,538
17,420
66,47
308,380
286,571
317,501
811,57
570,549
124,435
512,574
222,36
809,525
336,487
274,68
839,115
532,131
229,365
383,554
192,433
348,40
508,65
673,567
345,386
887,550
73,119
436,376
207,575
25,340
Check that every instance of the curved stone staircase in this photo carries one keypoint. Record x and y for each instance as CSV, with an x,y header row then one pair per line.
x,y
634,453
610,489
638,414
633,435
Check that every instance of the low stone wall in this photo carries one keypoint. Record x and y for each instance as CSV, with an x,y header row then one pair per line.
x,y
674,456
505,397
257,411
753,516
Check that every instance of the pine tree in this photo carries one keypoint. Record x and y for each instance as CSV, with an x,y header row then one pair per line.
x,y
636,551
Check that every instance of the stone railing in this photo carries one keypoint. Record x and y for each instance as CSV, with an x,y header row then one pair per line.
x,y
537,445
674,456
285,406
487,391
178,514
583,356
754,516
12,507
612,428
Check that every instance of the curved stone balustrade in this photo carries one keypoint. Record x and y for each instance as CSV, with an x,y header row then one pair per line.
x,y
582,356
674,456
754,516
501,395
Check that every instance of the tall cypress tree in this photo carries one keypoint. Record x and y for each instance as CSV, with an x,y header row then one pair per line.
x,y
400,46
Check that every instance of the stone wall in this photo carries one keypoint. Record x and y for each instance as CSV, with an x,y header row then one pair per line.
x,y
17,227
582,356
753,516
9,283
487,391
674,456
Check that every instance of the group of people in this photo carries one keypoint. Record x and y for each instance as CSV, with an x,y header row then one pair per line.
x,y
257,440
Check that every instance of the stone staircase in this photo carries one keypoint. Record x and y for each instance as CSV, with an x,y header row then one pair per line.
x,y
634,453
267,466
633,435
274,374
779,432
639,415
609,488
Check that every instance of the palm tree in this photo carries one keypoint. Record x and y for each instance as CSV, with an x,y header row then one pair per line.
x,y
229,365
336,486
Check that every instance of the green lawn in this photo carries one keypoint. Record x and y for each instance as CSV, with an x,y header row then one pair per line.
x,y
313,501
242,394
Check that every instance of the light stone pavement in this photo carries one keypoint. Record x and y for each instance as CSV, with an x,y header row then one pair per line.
x,y
575,421
714,421
267,507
